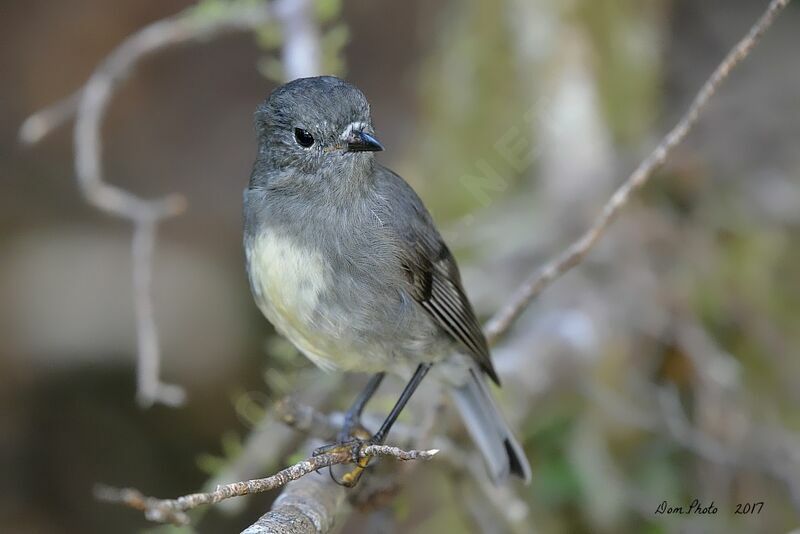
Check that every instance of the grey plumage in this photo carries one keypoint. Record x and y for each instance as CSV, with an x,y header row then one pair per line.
x,y
345,261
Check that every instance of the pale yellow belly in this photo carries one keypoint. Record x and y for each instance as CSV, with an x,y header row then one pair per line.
x,y
288,281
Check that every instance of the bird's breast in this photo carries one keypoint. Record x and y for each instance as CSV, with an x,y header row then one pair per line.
x,y
288,280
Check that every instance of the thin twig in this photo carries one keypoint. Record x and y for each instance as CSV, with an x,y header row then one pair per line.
x,y
44,121
94,101
174,510
90,104
577,251
149,387
306,419
187,26
270,440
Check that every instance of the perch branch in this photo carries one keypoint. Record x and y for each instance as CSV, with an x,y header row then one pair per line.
x,y
174,510
309,505
577,251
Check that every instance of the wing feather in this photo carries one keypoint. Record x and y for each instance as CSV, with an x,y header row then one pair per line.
x,y
438,289
429,268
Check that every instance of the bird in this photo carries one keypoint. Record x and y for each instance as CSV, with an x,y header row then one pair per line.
x,y
346,262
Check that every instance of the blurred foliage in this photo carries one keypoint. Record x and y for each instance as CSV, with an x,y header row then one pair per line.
x,y
469,94
206,11
627,64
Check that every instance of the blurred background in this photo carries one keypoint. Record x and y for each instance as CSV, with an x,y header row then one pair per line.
x,y
664,368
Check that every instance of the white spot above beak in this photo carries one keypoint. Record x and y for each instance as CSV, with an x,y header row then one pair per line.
x,y
352,127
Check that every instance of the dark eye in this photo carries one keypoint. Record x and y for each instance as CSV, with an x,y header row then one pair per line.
x,y
304,139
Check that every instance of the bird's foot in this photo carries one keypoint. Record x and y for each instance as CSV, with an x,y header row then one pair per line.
x,y
352,428
351,435
353,446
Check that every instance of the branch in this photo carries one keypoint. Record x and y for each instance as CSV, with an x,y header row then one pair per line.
x,y
306,419
174,510
90,104
93,103
577,251
187,26
44,121
270,440
308,505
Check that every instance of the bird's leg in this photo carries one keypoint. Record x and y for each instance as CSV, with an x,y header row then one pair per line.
x,y
380,436
351,478
352,418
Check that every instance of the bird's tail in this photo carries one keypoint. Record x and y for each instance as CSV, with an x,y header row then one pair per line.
x,y
501,451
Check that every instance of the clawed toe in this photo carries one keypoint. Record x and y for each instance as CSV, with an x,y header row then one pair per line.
x,y
354,447
351,445
354,432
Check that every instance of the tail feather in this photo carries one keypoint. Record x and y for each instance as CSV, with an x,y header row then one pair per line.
x,y
501,451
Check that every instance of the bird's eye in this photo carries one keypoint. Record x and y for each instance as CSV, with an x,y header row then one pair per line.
x,y
304,139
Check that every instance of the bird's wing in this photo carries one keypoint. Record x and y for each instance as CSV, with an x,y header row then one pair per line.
x,y
433,277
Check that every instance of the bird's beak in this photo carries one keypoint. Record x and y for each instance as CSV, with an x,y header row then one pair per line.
x,y
360,141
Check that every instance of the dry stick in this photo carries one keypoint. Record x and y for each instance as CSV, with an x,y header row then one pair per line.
x,y
90,104
44,121
577,251
178,29
145,215
173,510
270,440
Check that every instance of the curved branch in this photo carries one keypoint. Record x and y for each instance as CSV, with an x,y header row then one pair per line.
x,y
90,104
577,251
94,100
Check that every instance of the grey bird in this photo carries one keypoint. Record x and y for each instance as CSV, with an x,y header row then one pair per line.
x,y
345,261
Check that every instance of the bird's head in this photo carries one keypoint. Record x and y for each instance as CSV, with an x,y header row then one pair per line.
x,y
316,128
